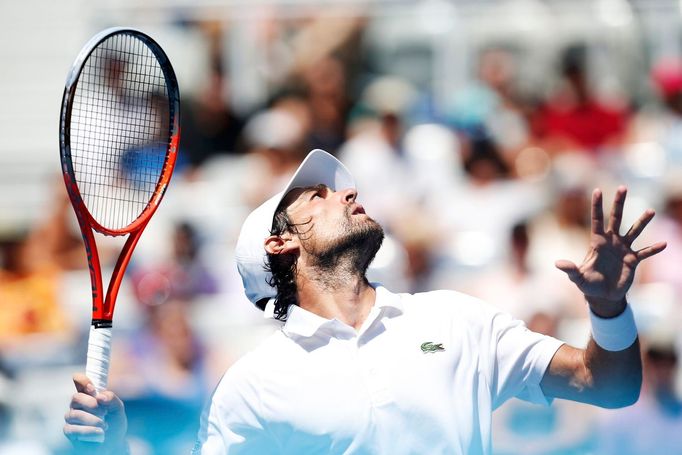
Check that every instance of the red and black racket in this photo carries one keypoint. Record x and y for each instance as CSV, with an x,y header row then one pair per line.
x,y
119,133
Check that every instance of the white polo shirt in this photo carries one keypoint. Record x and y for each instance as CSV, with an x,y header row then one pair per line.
x,y
422,375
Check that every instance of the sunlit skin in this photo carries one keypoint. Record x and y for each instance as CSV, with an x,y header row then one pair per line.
x,y
608,270
323,216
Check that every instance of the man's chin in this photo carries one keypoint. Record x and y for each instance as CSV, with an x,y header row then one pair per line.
x,y
367,243
360,244
364,220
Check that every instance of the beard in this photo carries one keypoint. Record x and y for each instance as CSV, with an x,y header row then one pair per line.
x,y
353,250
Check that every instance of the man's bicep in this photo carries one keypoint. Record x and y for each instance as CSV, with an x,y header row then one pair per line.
x,y
566,376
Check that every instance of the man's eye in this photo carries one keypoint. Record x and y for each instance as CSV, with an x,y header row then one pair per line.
x,y
316,194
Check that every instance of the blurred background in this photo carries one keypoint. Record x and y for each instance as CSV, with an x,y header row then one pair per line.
x,y
476,131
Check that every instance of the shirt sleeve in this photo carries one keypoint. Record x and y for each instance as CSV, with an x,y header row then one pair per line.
x,y
518,359
231,422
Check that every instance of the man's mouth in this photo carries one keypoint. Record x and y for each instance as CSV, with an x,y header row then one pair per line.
x,y
358,209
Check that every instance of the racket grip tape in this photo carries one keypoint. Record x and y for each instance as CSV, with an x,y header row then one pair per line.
x,y
99,357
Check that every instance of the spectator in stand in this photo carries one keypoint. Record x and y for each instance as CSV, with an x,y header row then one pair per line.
x,y
208,123
185,276
562,228
666,268
29,291
484,163
657,128
492,199
574,119
275,139
492,103
519,289
325,84
36,326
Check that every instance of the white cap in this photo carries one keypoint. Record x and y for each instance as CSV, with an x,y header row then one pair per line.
x,y
319,167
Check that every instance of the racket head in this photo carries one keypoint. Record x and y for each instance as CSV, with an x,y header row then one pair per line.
x,y
119,130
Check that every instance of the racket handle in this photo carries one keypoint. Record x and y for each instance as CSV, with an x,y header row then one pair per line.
x,y
97,365
99,356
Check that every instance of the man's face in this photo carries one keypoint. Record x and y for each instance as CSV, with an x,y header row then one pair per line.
x,y
330,224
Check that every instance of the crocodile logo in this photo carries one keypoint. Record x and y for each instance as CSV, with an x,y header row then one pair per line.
x,y
432,347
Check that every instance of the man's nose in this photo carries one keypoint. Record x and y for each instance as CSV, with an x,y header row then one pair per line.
x,y
348,195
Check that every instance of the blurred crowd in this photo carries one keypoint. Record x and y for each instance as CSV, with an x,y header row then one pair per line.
x,y
481,192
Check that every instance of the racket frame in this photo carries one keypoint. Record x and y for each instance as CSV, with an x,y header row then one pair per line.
x,y
103,306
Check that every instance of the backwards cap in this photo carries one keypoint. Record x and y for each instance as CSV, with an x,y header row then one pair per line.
x,y
319,167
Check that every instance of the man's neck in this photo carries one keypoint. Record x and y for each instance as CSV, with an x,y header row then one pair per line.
x,y
341,296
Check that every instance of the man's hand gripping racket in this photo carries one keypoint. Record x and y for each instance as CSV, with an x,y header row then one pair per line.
x,y
119,133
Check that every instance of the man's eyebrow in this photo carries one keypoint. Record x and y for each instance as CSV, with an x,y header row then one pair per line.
x,y
318,187
289,199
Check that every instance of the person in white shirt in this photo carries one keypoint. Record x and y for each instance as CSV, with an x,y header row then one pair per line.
x,y
358,369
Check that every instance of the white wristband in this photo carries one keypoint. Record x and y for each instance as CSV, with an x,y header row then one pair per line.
x,y
614,334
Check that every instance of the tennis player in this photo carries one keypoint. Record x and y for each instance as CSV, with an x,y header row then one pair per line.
x,y
357,368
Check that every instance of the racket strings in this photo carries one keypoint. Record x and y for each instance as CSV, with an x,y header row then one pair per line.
x,y
120,130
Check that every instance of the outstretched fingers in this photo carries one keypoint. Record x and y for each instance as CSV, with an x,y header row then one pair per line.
x,y
617,210
649,251
597,212
638,226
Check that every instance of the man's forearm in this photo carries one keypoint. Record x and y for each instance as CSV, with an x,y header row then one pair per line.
x,y
607,373
612,356
614,378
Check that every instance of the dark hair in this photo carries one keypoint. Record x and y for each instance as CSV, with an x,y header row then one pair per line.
x,y
574,59
282,266
484,150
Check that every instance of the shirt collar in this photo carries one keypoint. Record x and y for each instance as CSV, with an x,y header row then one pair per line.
x,y
387,301
304,323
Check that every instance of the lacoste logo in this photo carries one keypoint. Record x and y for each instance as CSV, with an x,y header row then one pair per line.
x,y
432,347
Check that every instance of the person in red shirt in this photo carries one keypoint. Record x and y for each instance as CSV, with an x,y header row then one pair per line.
x,y
574,119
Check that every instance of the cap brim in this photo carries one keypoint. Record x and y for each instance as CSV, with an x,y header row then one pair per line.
x,y
319,167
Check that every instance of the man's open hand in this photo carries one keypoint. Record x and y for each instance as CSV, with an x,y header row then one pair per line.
x,y
608,270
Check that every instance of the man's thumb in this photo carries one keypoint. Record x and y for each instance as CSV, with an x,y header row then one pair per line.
x,y
569,268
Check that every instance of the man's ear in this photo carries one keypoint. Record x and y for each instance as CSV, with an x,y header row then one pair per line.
x,y
284,244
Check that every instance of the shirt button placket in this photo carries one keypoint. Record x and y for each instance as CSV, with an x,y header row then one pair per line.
x,y
375,377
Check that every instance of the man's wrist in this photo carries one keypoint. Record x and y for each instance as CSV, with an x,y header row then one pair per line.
x,y
606,309
615,333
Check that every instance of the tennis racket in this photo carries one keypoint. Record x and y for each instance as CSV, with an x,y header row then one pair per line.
x,y
119,133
